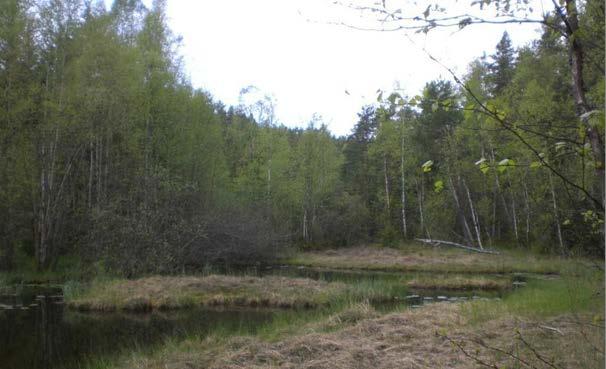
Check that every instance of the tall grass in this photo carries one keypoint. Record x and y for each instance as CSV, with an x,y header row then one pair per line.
x,y
578,290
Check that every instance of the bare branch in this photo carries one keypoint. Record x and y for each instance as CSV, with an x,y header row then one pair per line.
x,y
535,352
473,357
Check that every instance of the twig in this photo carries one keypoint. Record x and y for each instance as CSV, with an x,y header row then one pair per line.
x,y
475,358
551,329
534,351
510,354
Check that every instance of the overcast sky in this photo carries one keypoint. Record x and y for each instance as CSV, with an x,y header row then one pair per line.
x,y
308,65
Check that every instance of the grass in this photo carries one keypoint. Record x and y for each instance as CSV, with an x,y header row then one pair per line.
x,y
202,351
560,320
459,282
67,268
186,291
418,258
577,291
358,338
165,292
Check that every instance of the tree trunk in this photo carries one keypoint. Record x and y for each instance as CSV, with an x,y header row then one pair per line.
x,y
305,231
514,216
578,86
555,215
527,202
387,205
404,228
420,196
460,213
90,176
474,216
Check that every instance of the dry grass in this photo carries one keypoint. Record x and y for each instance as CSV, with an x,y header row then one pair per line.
x,y
421,338
180,292
457,282
424,258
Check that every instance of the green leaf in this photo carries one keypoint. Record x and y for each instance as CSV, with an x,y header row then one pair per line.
x,y
438,186
560,145
536,164
504,164
483,165
427,166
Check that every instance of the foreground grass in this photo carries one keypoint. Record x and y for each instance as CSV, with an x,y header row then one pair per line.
x,y
418,258
548,324
422,338
577,291
215,290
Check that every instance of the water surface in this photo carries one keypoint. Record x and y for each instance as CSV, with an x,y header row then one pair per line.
x,y
38,332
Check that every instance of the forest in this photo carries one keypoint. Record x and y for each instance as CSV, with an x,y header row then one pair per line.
x,y
109,155
117,174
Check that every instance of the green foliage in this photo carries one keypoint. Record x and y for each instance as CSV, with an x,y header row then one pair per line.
x,y
438,186
427,166
112,158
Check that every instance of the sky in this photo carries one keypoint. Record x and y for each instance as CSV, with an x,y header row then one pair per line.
x,y
290,51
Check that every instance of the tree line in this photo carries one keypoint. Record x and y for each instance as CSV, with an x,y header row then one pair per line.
x,y
110,158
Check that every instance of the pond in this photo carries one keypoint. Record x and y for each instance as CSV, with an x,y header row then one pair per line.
x,y
38,332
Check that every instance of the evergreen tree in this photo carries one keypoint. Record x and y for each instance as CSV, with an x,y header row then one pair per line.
x,y
502,66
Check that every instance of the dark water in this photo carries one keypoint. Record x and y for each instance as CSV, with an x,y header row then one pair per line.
x,y
38,332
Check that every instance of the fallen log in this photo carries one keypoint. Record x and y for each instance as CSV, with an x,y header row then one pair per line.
x,y
454,244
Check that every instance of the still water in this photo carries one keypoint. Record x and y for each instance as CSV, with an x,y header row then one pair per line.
x,y
38,332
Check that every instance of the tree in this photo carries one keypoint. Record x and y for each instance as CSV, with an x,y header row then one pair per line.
x,y
502,66
410,16
19,88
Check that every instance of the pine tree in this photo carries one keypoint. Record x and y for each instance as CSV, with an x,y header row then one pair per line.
x,y
502,67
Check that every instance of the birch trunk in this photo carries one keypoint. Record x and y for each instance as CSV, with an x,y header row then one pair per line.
x,y
420,200
404,228
474,216
460,214
514,215
386,184
527,203
90,175
555,214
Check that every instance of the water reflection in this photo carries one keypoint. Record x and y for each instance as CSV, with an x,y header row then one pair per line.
x,y
48,336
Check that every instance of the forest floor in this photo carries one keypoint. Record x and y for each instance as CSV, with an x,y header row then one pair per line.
x,y
420,258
